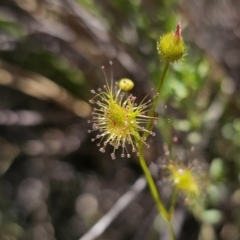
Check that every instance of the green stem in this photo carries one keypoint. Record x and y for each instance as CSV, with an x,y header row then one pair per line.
x,y
152,186
173,202
162,210
153,189
171,231
160,84
155,102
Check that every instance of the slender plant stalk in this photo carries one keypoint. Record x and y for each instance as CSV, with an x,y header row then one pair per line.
x,y
171,231
160,84
153,187
155,194
155,102
173,202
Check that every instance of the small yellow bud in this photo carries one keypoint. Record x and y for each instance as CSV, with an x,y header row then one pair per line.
x,y
126,84
171,46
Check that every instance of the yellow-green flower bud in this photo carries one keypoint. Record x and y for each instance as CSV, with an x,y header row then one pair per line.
x,y
171,46
125,84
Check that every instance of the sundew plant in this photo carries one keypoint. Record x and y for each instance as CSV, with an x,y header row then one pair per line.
x,y
118,120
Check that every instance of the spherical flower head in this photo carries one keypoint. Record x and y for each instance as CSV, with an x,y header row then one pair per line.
x,y
171,46
119,119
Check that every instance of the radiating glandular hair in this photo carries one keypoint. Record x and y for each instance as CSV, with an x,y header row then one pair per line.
x,y
118,119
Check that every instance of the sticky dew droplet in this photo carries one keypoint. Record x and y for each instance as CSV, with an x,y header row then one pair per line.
x,y
102,150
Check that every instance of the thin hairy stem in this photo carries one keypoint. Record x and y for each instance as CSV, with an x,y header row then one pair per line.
x,y
152,186
160,84
151,183
155,102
